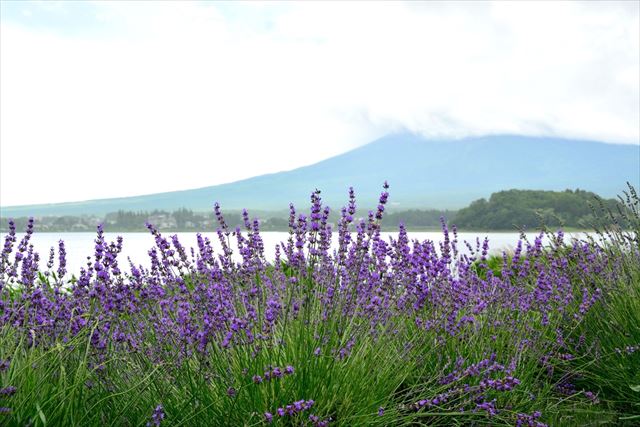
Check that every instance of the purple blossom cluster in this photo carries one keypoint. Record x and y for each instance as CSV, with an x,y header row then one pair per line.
x,y
527,420
156,417
8,391
294,409
274,373
198,303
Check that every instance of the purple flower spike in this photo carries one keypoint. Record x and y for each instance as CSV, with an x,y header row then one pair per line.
x,y
156,417
8,391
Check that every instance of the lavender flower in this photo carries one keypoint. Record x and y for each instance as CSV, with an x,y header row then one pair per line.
x,y
8,391
157,416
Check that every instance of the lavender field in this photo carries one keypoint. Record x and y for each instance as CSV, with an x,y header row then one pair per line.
x,y
372,332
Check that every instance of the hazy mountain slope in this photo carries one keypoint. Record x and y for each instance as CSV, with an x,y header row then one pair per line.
x,y
422,173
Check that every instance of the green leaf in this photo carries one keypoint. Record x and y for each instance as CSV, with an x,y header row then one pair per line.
x,y
41,415
635,387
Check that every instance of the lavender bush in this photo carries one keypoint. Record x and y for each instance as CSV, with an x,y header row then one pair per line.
x,y
375,332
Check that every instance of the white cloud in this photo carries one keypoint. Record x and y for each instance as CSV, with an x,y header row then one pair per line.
x,y
187,94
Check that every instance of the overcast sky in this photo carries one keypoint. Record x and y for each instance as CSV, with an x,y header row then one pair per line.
x,y
104,99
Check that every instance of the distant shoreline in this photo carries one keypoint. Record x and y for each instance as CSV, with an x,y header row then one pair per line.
x,y
384,230
506,211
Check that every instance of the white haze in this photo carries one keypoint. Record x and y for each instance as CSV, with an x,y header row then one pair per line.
x,y
105,99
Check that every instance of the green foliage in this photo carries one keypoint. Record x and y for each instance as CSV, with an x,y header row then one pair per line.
x,y
611,367
416,218
531,209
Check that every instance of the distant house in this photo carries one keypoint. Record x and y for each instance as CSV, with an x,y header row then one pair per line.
x,y
163,221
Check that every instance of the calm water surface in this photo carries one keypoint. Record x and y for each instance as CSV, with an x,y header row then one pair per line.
x,y
136,245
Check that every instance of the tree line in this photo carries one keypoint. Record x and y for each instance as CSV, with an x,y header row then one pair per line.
x,y
516,209
504,210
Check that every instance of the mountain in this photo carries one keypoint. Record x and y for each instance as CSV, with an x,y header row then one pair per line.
x,y
422,173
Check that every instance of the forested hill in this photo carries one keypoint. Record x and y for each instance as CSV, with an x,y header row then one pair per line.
x,y
528,208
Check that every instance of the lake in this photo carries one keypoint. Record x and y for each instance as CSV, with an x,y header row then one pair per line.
x,y
136,245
